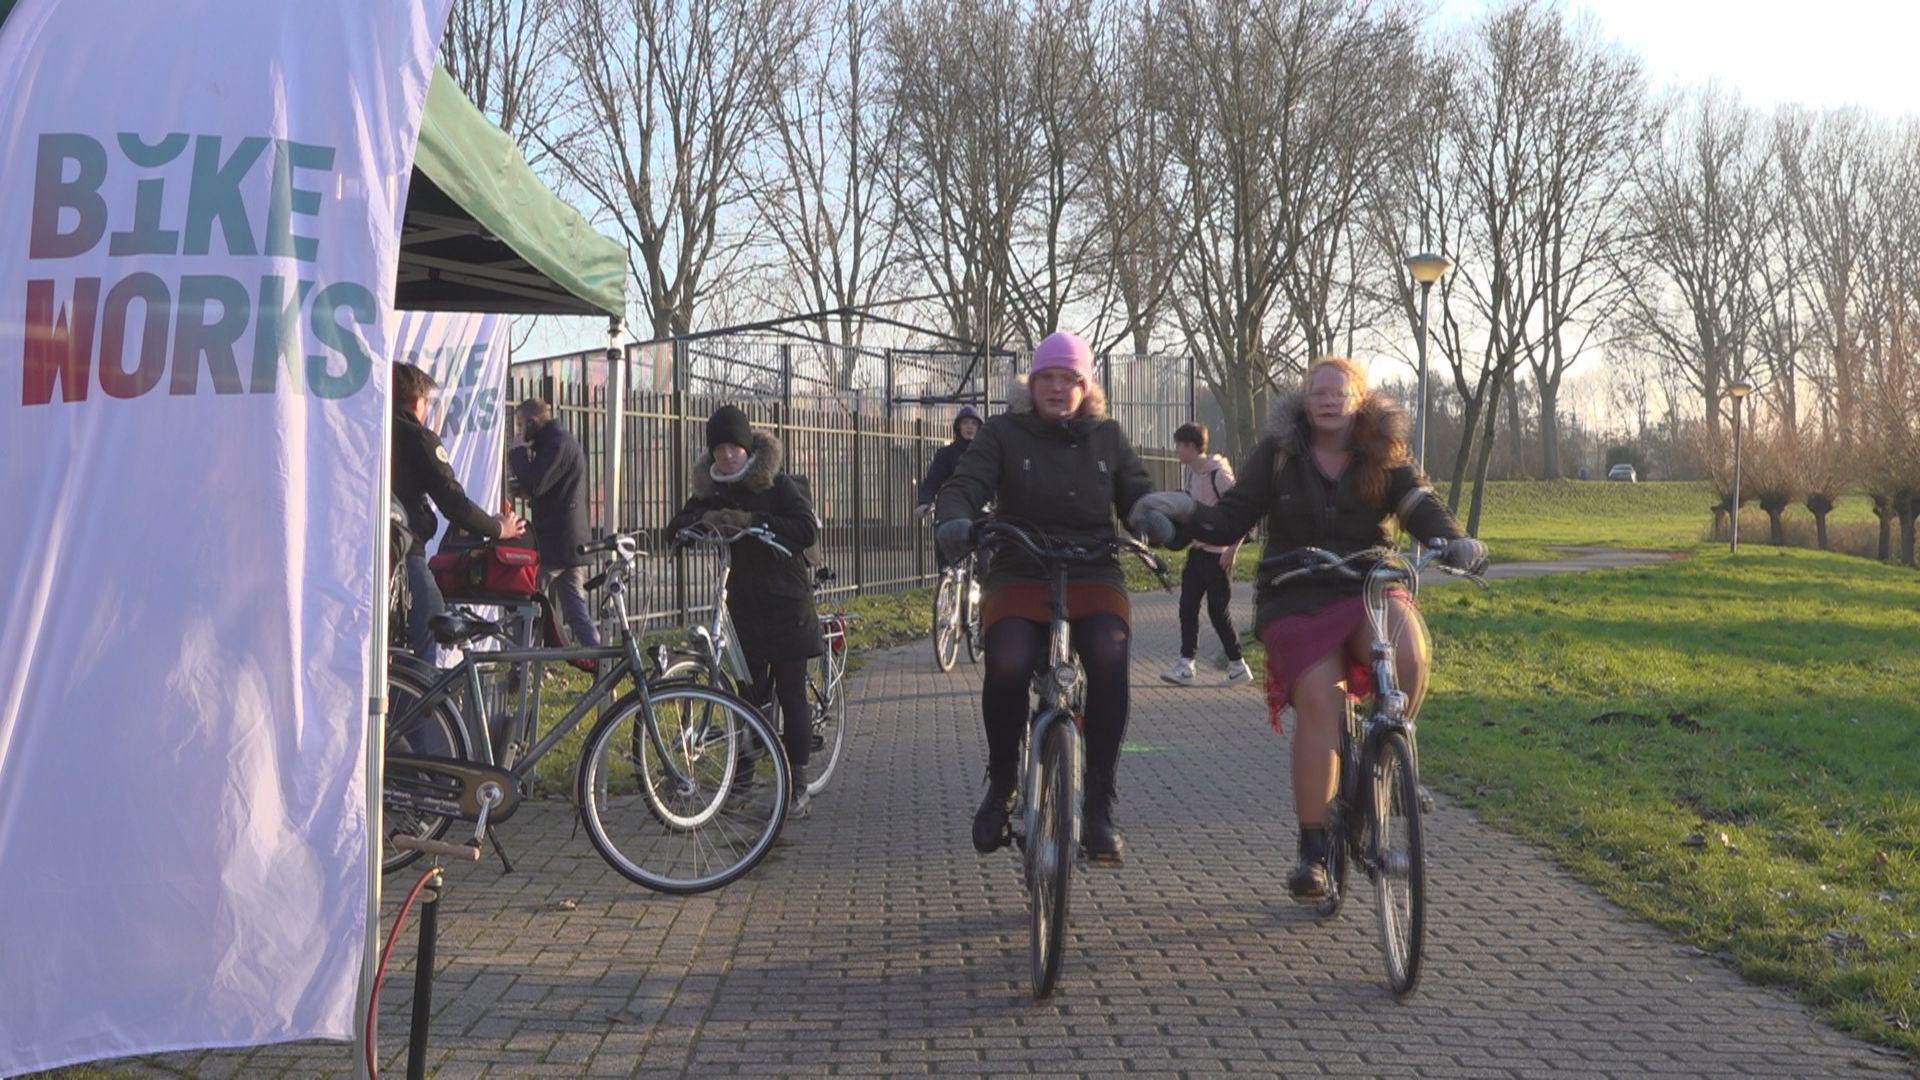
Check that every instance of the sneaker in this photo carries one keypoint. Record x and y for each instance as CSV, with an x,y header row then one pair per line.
x,y
802,805
1180,674
1239,672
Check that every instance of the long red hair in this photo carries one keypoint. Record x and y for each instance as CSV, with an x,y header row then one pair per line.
x,y
1379,445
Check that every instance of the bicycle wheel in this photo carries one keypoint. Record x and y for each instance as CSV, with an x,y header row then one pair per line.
x,y
439,731
1399,870
1050,850
946,622
825,695
686,795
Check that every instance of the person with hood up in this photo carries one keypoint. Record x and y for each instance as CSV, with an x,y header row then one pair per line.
x,y
1331,470
965,426
740,483
1056,462
1209,572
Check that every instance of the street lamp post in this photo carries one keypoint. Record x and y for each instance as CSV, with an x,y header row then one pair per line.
x,y
1738,392
1427,269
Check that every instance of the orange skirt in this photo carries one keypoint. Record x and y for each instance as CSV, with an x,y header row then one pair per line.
x,y
1032,600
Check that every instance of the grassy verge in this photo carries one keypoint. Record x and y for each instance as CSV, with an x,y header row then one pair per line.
x,y
1729,747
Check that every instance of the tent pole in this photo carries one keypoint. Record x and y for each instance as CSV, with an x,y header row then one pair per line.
x,y
375,740
616,419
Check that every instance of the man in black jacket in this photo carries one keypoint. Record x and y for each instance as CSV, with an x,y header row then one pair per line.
x,y
422,480
549,468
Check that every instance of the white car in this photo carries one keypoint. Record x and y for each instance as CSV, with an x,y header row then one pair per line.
x,y
1623,471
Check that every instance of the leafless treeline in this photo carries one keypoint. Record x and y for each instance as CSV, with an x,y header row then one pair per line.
x,y
1240,179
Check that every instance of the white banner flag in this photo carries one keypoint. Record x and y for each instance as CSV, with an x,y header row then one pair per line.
x,y
199,221
467,356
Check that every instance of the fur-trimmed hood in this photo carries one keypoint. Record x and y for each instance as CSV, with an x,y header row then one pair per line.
x,y
768,456
1379,426
1020,400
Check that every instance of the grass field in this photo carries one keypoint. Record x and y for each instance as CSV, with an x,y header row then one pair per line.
x,y
1729,746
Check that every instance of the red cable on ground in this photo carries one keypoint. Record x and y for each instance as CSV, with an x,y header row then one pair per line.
x,y
380,973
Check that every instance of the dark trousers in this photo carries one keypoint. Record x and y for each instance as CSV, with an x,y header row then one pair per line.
x,y
1205,577
1015,647
568,587
427,602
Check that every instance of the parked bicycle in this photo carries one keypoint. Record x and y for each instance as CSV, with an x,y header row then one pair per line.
x,y
1375,820
1055,758
713,655
956,614
682,788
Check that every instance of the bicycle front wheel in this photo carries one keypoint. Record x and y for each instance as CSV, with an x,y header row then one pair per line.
x,y
1399,859
826,697
971,626
683,793
438,731
946,622
1050,849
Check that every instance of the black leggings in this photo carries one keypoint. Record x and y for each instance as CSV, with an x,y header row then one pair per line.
x,y
789,679
1015,647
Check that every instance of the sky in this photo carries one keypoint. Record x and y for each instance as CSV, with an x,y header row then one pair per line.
x,y
1829,53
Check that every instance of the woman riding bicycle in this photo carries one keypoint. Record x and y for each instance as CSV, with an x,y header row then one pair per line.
x,y
738,484
1331,470
1053,462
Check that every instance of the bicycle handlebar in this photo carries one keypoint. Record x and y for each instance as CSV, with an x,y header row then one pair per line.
x,y
701,533
1313,560
627,545
1081,553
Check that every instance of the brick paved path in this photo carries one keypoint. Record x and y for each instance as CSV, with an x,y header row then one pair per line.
x,y
875,942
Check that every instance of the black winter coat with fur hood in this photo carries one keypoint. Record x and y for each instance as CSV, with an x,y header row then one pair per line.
x,y
1301,506
1068,478
771,595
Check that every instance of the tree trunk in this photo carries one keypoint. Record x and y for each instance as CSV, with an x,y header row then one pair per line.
x,y
1516,438
1885,514
1469,417
1820,530
1907,507
1486,458
1776,529
1550,432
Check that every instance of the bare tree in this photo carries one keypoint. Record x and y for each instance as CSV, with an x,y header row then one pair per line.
x,y
672,101
1279,116
1594,122
505,55
1704,230
967,158
820,195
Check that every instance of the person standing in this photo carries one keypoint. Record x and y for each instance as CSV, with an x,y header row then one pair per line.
x,y
422,480
1209,572
741,482
549,469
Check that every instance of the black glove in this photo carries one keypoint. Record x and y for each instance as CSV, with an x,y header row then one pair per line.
x,y
1466,554
954,539
1156,527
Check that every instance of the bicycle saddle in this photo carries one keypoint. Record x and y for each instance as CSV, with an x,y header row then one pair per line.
x,y
456,628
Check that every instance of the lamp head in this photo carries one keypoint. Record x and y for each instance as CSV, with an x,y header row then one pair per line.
x,y
1429,268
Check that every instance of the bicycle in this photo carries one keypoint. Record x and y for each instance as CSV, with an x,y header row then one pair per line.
x,y
715,657
1375,819
681,788
956,614
1053,774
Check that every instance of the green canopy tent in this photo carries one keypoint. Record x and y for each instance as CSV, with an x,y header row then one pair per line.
x,y
482,233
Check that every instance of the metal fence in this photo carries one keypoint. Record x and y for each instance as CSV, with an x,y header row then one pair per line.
x,y
860,425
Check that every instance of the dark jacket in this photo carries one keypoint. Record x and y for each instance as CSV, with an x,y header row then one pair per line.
x,y
423,479
1280,484
1068,479
551,471
771,595
940,469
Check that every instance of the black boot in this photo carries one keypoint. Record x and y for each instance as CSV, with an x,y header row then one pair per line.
x,y
1309,880
990,829
1099,837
